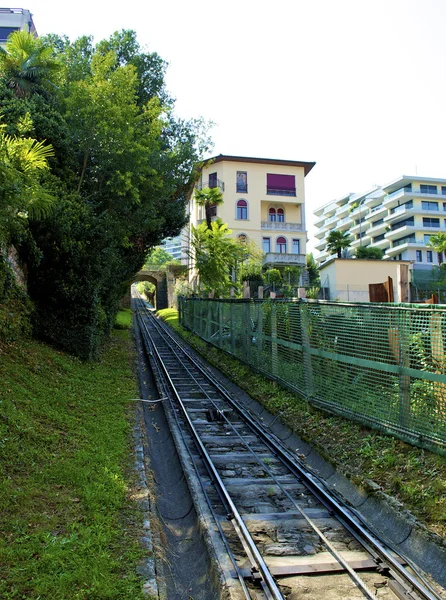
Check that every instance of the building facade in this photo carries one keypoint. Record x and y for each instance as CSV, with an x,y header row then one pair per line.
x,y
15,19
263,201
398,218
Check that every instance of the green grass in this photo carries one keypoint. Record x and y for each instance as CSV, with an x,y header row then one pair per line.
x,y
416,478
68,528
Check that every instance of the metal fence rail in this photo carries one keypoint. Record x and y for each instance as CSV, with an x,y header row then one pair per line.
x,y
380,364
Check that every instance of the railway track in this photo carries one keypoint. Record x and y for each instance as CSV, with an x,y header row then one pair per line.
x,y
279,524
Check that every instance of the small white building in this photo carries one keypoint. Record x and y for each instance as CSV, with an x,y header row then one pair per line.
x,y
347,279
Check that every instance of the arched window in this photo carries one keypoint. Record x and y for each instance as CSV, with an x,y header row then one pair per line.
x,y
280,215
281,245
242,209
272,215
242,238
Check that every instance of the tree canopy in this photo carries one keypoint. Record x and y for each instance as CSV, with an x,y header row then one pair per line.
x,y
119,179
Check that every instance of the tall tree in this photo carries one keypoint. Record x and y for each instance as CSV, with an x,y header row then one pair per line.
x,y
28,64
337,241
208,197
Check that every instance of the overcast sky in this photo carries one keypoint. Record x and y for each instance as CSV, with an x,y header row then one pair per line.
x,y
358,86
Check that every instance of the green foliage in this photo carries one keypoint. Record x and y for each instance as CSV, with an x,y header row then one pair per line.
x,y
28,64
145,288
337,241
312,270
208,197
369,253
159,256
273,276
122,169
215,254
438,243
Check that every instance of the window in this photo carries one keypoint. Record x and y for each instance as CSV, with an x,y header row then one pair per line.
x,y
444,205
428,189
378,222
272,215
431,222
213,210
242,209
429,256
5,32
280,215
427,238
429,205
408,187
406,222
443,190
419,256
404,206
296,246
266,244
213,180
378,238
280,185
408,239
281,245
242,182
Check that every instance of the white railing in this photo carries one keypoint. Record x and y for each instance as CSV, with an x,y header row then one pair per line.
x,y
284,258
281,226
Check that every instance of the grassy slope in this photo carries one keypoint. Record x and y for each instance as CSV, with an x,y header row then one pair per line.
x,y
415,478
67,524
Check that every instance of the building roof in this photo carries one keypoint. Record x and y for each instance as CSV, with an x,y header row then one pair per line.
x,y
268,161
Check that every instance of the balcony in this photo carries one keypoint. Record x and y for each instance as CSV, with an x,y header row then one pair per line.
x,y
273,191
210,183
399,212
281,226
282,258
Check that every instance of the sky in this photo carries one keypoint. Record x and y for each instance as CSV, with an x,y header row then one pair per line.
x,y
357,86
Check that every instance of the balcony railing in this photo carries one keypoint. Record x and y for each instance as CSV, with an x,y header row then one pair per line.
x,y
282,258
280,226
280,192
211,183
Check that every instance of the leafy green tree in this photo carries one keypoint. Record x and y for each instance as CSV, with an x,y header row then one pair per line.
x,y
273,276
121,175
313,270
28,64
159,256
369,253
208,197
438,243
337,241
215,253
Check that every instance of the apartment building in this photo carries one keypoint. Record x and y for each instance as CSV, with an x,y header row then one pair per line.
x,y
14,19
263,201
398,217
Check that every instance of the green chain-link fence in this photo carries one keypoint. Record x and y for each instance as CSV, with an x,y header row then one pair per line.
x,y
380,364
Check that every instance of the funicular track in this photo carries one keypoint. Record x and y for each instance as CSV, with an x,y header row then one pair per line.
x,y
276,518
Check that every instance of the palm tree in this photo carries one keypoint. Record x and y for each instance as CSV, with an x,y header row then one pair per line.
x,y
208,197
22,160
27,64
337,241
438,243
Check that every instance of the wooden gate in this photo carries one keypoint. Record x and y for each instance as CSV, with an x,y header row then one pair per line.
x,y
381,292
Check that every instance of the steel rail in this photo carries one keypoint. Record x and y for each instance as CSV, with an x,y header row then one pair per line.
x,y
267,583
368,540
337,555
161,383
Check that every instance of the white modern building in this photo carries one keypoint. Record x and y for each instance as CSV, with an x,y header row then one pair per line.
x,y
15,19
398,218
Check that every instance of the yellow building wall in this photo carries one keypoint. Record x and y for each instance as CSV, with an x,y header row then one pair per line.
x,y
258,201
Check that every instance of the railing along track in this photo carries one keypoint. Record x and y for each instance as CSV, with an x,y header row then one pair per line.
x,y
167,354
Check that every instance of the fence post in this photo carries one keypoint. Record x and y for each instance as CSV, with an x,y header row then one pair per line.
x,y
246,338
403,339
306,354
274,355
260,292
233,327
403,283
